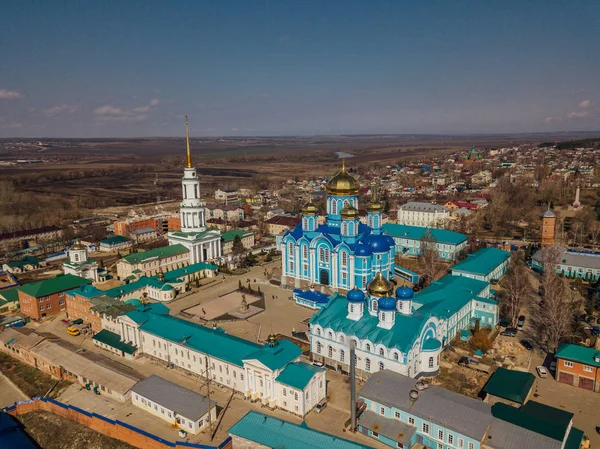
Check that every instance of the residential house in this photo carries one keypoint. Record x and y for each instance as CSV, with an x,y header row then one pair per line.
x,y
579,366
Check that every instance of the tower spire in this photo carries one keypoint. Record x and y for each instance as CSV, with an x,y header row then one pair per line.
x,y
343,164
187,143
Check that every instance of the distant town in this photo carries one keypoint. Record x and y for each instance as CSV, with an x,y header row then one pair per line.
x,y
447,301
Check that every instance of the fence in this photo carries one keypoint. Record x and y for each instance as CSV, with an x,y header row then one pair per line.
x,y
111,428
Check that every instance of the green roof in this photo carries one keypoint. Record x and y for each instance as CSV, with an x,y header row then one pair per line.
x,y
274,432
160,253
543,419
416,233
432,344
173,275
11,295
579,354
482,262
115,240
25,260
574,439
509,384
213,341
230,235
187,235
297,375
114,340
58,284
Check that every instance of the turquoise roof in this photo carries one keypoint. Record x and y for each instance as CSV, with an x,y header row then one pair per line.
x,y
89,291
432,344
116,240
482,262
297,375
447,296
404,332
114,340
173,275
60,283
160,253
579,354
212,341
274,432
416,233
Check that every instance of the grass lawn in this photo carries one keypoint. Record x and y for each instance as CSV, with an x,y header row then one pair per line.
x,y
31,381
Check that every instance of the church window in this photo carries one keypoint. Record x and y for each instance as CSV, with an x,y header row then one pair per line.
x,y
367,364
381,352
305,252
330,335
342,339
368,347
395,356
381,366
330,352
430,362
374,305
351,308
76,257
290,249
334,207
304,223
291,266
344,259
344,228
319,347
342,355
318,332
296,395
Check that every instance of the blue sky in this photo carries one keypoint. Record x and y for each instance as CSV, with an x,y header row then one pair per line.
x,y
89,68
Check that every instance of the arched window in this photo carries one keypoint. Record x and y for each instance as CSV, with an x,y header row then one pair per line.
x,y
368,347
370,221
381,352
326,255
430,362
321,254
396,356
330,335
319,347
330,352
333,207
342,339
344,259
374,305
367,365
342,355
304,223
381,366
290,249
318,331
305,251
344,228
351,307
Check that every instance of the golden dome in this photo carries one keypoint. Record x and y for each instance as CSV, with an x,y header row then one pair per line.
x,y
77,246
349,212
310,209
342,183
380,286
272,338
375,206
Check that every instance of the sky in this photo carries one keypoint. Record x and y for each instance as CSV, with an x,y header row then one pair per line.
x,y
88,68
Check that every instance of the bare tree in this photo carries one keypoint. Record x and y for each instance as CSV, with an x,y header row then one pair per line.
x,y
595,232
553,314
517,289
429,263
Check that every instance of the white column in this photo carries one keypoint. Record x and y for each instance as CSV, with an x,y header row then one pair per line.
x,y
351,272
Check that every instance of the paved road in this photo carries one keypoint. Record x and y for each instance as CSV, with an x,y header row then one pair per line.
x,y
9,394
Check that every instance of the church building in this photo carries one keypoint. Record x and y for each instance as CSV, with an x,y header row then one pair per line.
x,y
204,244
80,265
343,253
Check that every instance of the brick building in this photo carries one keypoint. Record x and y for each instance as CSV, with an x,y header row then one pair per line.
x,y
578,366
126,227
46,298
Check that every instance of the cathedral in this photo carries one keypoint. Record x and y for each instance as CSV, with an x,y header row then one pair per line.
x,y
343,253
204,244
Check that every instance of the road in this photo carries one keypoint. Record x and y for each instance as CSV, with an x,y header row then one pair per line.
x,y
9,393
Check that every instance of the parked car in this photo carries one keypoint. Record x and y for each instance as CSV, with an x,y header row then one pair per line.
x,y
318,363
509,332
73,331
320,406
65,323
596,331
542,371
553,365
521,322
526,345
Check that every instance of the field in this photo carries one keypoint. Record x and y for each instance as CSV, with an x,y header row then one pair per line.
x,y
30,381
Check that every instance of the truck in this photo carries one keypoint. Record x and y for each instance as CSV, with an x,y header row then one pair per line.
x,y
474,364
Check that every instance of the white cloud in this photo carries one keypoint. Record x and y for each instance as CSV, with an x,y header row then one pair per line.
x,y
125,118
13,125
9,94
154,102
110,113
60,108
584,104
548,119
108,110
577,114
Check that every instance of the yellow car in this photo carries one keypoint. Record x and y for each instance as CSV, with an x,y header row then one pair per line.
x,y
73,331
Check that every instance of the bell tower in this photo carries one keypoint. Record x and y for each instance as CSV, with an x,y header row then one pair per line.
x,y
548,227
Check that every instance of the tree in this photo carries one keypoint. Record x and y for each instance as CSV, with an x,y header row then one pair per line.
x,y
517,288
480,340
429,263
553,315
238,246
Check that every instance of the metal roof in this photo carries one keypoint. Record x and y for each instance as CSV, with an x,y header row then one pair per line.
x,y
182,401
504,435
573,258
57,284
416,233
159,253
277,433
482,262
579,354
459,413
297,375
509,384
391,428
